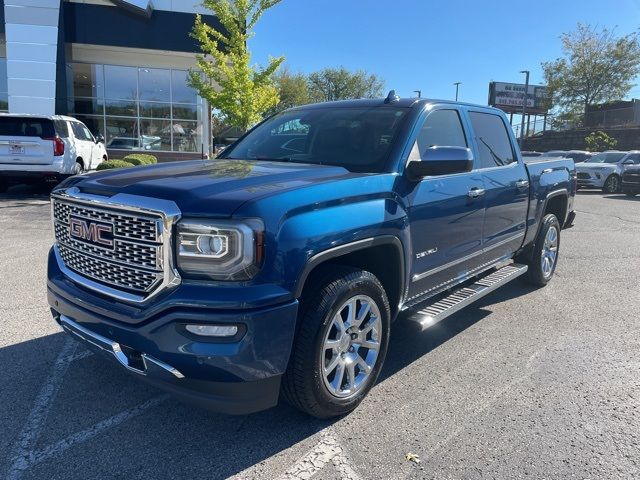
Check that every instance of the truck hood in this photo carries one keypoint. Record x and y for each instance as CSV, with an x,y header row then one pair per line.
x,y
212,188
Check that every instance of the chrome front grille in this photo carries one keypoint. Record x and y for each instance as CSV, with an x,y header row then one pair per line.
x,y
139,262
121,276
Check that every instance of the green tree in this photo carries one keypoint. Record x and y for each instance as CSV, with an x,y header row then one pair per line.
x,y
597,67
293,90
341,84
239,91
600,141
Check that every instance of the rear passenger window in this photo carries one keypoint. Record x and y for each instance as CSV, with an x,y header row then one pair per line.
x,y
492,139
61,128
442,128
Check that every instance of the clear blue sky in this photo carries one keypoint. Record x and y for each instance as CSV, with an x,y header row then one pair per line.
x,y
428,44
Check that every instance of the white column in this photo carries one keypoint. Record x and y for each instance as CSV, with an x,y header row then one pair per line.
x,y
31,28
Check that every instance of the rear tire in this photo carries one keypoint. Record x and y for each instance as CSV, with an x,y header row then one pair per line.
x,y
78,168
340,344
544,258
612,184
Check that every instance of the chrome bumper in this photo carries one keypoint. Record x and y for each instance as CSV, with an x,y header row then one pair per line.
x,y
144,365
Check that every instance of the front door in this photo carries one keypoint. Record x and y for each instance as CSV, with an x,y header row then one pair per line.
x,y
446,212
84,143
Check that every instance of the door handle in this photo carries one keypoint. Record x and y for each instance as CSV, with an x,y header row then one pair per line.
x,y
475,192
522,183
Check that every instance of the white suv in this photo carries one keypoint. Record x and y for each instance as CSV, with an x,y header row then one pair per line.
x,y
45,148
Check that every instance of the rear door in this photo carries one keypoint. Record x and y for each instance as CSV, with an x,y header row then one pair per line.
x,y
26,140
446,212
506,184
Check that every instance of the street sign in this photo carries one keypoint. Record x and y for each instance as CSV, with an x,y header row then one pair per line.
x,y
509,97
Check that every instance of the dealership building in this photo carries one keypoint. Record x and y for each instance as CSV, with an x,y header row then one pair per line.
x,y
119,66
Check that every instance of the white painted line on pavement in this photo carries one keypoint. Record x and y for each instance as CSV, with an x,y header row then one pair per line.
x,y
39,411
327,450
79,437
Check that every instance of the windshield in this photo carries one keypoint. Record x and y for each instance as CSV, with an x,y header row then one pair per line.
x,y
358,138
612,157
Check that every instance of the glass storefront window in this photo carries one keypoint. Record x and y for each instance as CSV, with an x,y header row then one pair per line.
x,y
187,136
121,131
121,83
185,112
181,92
4,95
136,108
155,110
87,106
155,84
156,134
121,108
86,80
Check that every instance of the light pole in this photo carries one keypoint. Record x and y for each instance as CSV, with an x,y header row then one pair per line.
x,y
524,105
419,92
457,84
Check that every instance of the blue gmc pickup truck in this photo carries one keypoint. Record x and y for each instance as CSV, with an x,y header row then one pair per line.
x,y
277,269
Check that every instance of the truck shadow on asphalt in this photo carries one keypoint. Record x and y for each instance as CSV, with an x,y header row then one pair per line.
x,y
409,342
95,391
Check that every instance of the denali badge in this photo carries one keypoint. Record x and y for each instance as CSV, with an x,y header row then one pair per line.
x,y
88,231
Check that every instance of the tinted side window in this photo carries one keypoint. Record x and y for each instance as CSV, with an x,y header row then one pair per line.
x,y
61,128
442,128
79,131
492,140
635,157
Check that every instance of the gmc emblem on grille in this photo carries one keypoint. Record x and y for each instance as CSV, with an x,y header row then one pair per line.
x,y
92,232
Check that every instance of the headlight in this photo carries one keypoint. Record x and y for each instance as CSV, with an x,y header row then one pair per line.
x,y
220,249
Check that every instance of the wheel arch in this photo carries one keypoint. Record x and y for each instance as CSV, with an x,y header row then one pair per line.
x,y
383,256
557,202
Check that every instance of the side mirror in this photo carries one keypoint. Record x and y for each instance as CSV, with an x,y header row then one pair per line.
x,y
440,161
99,138
628,162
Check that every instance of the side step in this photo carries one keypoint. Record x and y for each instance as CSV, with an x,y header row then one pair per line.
x,y
457,300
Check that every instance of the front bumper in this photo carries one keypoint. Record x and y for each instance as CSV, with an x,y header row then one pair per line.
x,y
236,376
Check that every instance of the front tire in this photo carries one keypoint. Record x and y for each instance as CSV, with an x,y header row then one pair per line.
x,y
340,345
544,259
612,184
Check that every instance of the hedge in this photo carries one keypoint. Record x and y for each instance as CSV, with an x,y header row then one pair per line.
x,y
109,164
140,159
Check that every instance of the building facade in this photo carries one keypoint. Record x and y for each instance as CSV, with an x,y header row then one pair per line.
x,y
119,66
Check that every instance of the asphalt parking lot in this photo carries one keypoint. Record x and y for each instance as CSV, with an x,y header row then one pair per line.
x,y
529,383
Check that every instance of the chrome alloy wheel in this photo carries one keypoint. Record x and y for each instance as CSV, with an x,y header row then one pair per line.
x,y
549,252
351,346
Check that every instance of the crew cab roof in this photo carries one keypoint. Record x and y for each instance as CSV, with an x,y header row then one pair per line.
x,y
381,102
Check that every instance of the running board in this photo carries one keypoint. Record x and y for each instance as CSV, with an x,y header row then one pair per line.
x,y
458,299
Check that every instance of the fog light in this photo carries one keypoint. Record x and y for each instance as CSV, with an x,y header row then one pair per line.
x,y
213,330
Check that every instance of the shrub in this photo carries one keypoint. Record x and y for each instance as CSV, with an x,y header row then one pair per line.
x,y
109,164
141,159
600,141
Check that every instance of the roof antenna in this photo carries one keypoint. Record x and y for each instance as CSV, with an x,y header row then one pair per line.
x,y
392,97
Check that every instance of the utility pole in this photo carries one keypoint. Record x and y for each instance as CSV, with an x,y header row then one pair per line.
x,y
524,105
457,84
419,92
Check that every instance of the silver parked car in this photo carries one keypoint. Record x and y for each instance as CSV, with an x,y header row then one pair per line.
x,y
604,170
